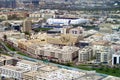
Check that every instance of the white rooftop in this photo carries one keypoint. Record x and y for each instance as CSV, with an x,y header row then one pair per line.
x,y
61,74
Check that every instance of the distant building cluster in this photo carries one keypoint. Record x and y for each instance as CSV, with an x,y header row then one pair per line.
x,y
8,4
59,4
66,37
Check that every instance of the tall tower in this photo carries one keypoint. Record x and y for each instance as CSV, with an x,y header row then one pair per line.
x,y
10,3
35,3
27,26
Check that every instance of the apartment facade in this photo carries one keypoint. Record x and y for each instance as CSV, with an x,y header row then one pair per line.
x,y
58,54
85,54
12,72
28,65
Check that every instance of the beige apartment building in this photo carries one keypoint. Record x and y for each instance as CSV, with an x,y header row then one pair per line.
x,y
27,26
54,53
85,54
64,39
102,51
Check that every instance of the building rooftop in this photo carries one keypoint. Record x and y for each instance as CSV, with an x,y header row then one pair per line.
x,y
111,78
4,57
31,63
15,68
48,68
31,73
63,50
61,74
101,42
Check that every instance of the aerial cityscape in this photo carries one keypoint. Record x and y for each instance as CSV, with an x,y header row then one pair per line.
x,y
59,39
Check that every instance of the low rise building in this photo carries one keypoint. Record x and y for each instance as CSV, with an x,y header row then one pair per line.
x,y
5,60
57,74
28,65
9,71
95,37
32,75
59,54
28,70
102,51
62,73
35,15
76,31
103,56
84,43
98,45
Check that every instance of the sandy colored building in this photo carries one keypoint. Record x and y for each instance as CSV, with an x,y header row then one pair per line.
x,y
63,39
27,26
85,54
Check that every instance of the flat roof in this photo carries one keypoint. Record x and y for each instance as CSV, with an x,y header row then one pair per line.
x,y
49,68
31,73
15,68
61,74
4,57
28,62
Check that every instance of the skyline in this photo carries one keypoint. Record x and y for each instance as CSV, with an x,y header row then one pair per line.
x,y
59,40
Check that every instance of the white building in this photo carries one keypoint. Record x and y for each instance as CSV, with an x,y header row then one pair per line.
x,y
114,37
35,15
52,21
116,58
28,65
12,72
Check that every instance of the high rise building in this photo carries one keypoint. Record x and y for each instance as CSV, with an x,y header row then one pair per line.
x,y
35,3
31,3
27,26
8,3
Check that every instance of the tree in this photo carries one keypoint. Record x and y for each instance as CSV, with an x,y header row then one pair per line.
x,y
7,24
27,33
69,64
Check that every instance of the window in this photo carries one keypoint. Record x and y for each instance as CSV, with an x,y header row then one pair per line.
x,y
52,54
119,60
41,52
115,60
60,56
75,32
